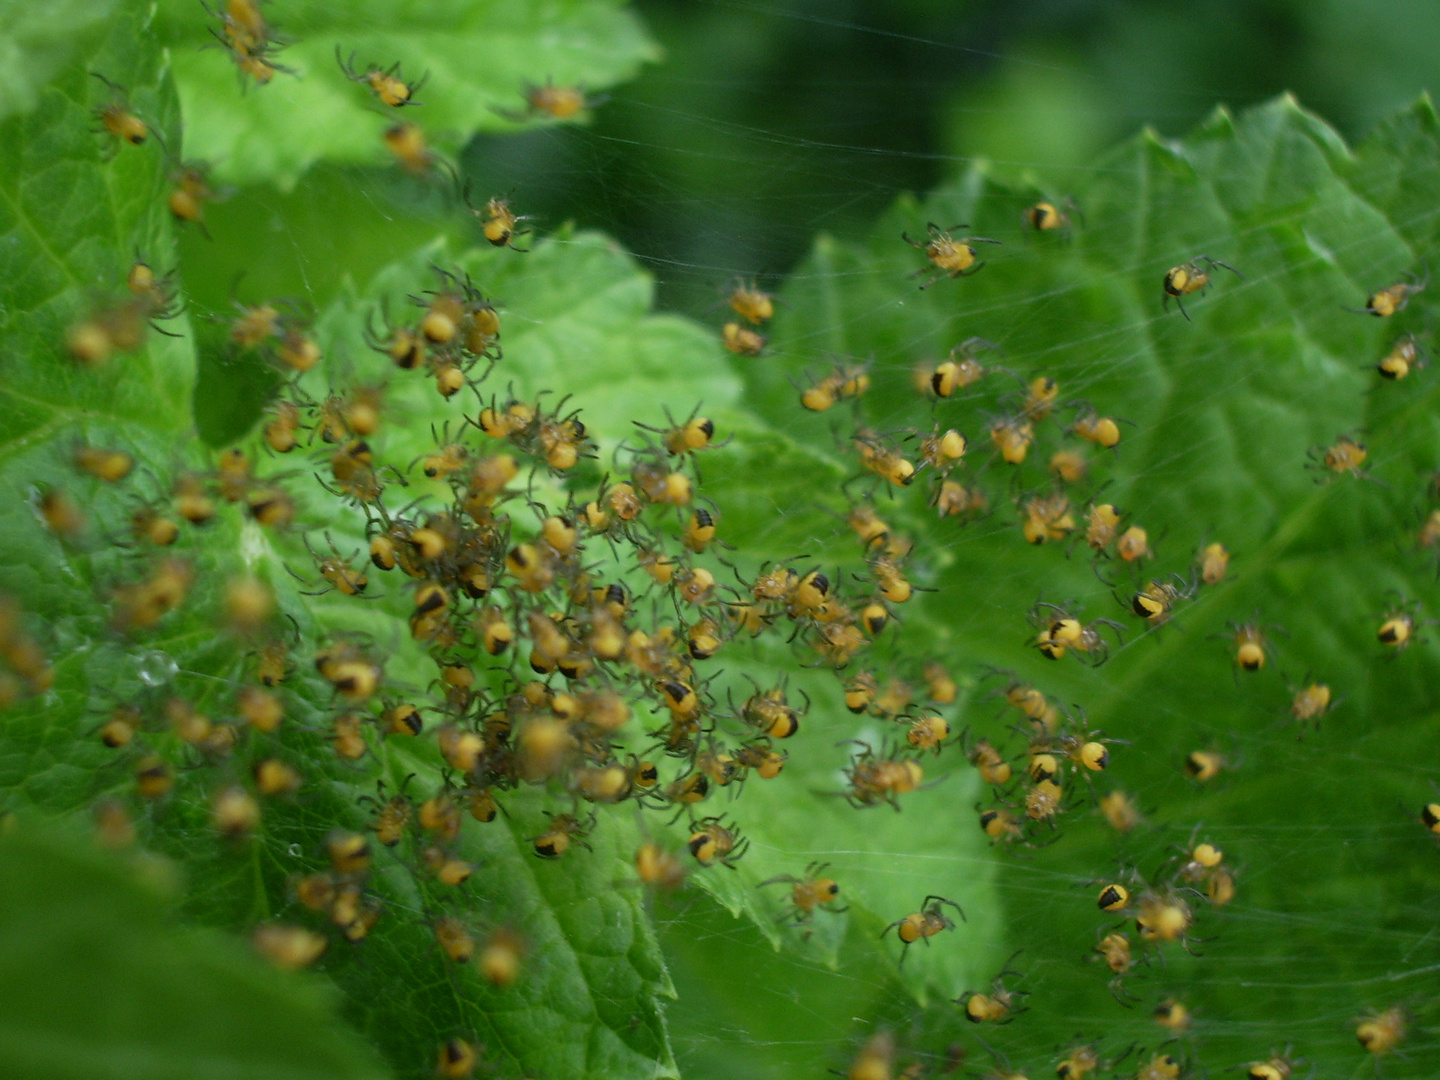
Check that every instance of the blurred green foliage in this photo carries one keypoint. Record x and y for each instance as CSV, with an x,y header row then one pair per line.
x,y
769,121
97,979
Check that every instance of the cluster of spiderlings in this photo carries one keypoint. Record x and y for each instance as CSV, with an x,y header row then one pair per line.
x,y
250,40
459,328
876,1059
550,624
1030,798
1032,788
753,308
120,325
1162,908
545,623
552,620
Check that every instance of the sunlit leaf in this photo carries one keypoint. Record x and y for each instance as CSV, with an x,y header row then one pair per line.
x,y
476,58
1224,418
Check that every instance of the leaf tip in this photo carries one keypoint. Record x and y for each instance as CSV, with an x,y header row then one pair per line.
x,y
1220,119
1424,110
1170,150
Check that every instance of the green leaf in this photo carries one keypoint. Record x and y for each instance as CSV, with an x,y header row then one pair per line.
x,y
877,855
35,43
77,207
740,1015
574,313
587,1002
74,212
1221,413
96,980
477,56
